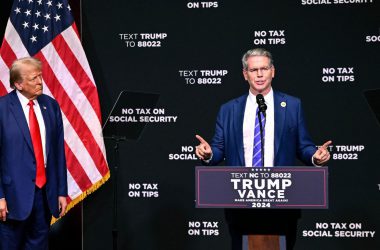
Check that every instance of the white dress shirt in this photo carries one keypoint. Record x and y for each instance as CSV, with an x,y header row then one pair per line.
x,y
249,129
25,107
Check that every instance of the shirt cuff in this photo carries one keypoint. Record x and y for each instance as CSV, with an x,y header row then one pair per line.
x,y
209,160
312,161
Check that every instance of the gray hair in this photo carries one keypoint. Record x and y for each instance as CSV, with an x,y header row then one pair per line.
x,y
256,52
15,71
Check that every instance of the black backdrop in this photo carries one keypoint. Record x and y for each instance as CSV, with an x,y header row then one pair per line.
x,y
307,41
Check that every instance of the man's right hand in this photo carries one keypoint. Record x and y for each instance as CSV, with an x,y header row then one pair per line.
x,y
203,150
3,209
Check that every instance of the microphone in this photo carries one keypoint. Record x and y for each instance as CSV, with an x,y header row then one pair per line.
x,y
262,107
261,103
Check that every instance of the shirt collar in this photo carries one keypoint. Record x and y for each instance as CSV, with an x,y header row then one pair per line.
x,y
268,97
23,100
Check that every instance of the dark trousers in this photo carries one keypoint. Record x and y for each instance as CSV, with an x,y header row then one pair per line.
x,y
29,234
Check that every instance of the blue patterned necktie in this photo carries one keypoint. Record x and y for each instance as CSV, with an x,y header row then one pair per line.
x,y
257,161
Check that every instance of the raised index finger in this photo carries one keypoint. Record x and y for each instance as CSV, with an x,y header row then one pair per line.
x,y
201,140
326,144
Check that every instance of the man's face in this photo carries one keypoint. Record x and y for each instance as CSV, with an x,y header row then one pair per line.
x,y
31,84
259,74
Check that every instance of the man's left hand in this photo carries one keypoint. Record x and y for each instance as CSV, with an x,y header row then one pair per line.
x,y
62,202
3,209
322,156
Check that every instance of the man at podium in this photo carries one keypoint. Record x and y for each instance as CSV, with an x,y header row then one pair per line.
x,y
262,128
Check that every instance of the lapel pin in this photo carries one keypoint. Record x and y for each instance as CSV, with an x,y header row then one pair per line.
x,y
283,104
44,107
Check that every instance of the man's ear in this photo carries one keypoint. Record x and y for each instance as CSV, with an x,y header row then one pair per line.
x,y
245,74
18,86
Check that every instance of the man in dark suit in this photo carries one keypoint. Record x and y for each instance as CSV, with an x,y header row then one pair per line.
x,y
286,138
33,177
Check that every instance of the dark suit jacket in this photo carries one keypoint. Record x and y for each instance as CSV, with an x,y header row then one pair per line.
x,y
291,138
17,160
291,141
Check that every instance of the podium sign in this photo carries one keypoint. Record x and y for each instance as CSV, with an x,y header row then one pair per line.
x,y
268,187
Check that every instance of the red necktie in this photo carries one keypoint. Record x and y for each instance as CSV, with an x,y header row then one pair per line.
x,y
37,146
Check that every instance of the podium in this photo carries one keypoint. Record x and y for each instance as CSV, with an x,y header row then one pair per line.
x,y
265,191
263,242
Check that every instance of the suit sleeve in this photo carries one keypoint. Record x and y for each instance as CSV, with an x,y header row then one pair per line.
x,y
218,141
1,170
62,169
305,148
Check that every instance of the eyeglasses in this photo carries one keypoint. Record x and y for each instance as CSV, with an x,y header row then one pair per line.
x,y
262,69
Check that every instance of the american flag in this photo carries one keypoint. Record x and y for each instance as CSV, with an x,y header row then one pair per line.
x,y
45,29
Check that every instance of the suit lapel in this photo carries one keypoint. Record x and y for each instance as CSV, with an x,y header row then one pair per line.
x,y
239,109
18,113
45,115
279,119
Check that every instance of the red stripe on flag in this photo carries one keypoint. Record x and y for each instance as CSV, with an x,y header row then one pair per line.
x,y
79,75
3,90
75,28
7,54
68,199
73,115
76,170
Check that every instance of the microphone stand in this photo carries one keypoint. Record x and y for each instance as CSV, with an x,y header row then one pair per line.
x,y
262,107
261,135
115,230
